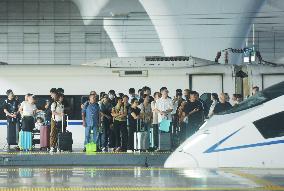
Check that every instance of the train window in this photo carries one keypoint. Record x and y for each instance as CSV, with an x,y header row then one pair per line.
x,y
258,99
271,126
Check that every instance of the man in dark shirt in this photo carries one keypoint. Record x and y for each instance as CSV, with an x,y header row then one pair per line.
x,y
223,105
194,112
106,108
11,107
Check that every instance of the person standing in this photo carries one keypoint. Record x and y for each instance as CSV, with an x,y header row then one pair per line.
x,y
146,114
134,117
106,117
11,107
194,112
57,109
215,100
223,105
91,119
119,113
164,106
155,127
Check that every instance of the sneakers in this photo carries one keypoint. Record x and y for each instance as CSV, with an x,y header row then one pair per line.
x,y
84,150
52,150
118,149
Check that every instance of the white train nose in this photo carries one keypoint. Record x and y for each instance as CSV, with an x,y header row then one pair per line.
x,y
180,160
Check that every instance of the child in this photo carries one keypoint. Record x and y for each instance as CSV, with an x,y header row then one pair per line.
x,y
39,123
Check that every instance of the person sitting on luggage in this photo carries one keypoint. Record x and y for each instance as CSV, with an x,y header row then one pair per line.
x,y
38,123
133,117
11,107
57,109
119,113
91,119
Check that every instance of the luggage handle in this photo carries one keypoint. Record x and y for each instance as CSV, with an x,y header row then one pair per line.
x,y
62,124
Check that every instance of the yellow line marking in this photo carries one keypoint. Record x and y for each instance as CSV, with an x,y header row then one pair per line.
x,y
83,169
131,188
267,185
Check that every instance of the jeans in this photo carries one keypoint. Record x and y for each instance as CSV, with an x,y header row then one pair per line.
x,y
88,134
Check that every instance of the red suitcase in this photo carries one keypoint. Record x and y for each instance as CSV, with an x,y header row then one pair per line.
x,y
44,137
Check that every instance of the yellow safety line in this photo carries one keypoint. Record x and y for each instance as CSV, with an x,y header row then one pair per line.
x,y
267,185
130,188
83,169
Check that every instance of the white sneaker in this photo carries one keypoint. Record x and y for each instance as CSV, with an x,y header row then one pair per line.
x,y
52,150
58,151
129,151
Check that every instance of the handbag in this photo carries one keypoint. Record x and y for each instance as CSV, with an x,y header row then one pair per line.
x,y
165,125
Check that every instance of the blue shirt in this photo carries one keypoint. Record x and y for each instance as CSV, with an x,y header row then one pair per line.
x,y
91,112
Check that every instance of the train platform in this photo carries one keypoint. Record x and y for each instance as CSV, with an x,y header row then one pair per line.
x,y
37,158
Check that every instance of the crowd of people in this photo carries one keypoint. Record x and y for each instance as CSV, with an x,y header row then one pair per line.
x,y
110,120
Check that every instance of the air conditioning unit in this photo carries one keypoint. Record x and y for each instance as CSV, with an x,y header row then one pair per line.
x,y
133,73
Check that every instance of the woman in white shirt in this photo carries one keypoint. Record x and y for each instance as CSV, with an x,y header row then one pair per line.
x,y
28,110
57,109
215,100
155,128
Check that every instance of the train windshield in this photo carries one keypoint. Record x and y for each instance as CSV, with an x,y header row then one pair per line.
x,y
258,99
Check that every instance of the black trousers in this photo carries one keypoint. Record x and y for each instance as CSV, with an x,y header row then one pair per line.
x,y
13,129
121,134
106,132
131,131
155,131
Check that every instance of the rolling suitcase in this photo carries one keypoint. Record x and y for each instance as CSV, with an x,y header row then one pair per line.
x,y
164,141
25,140
44,137
141,138
65,140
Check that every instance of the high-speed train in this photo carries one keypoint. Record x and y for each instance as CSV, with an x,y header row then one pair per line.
x,y
249,135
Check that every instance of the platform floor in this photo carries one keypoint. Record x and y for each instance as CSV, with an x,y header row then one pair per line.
x,y
137,178
143,159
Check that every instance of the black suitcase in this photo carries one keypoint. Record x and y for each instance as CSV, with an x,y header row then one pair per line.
x,y
12,133
165,141
65,140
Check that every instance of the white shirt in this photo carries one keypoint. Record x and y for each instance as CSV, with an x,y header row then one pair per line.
x,y
164,105
155,113
28,109
59,109
212,107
